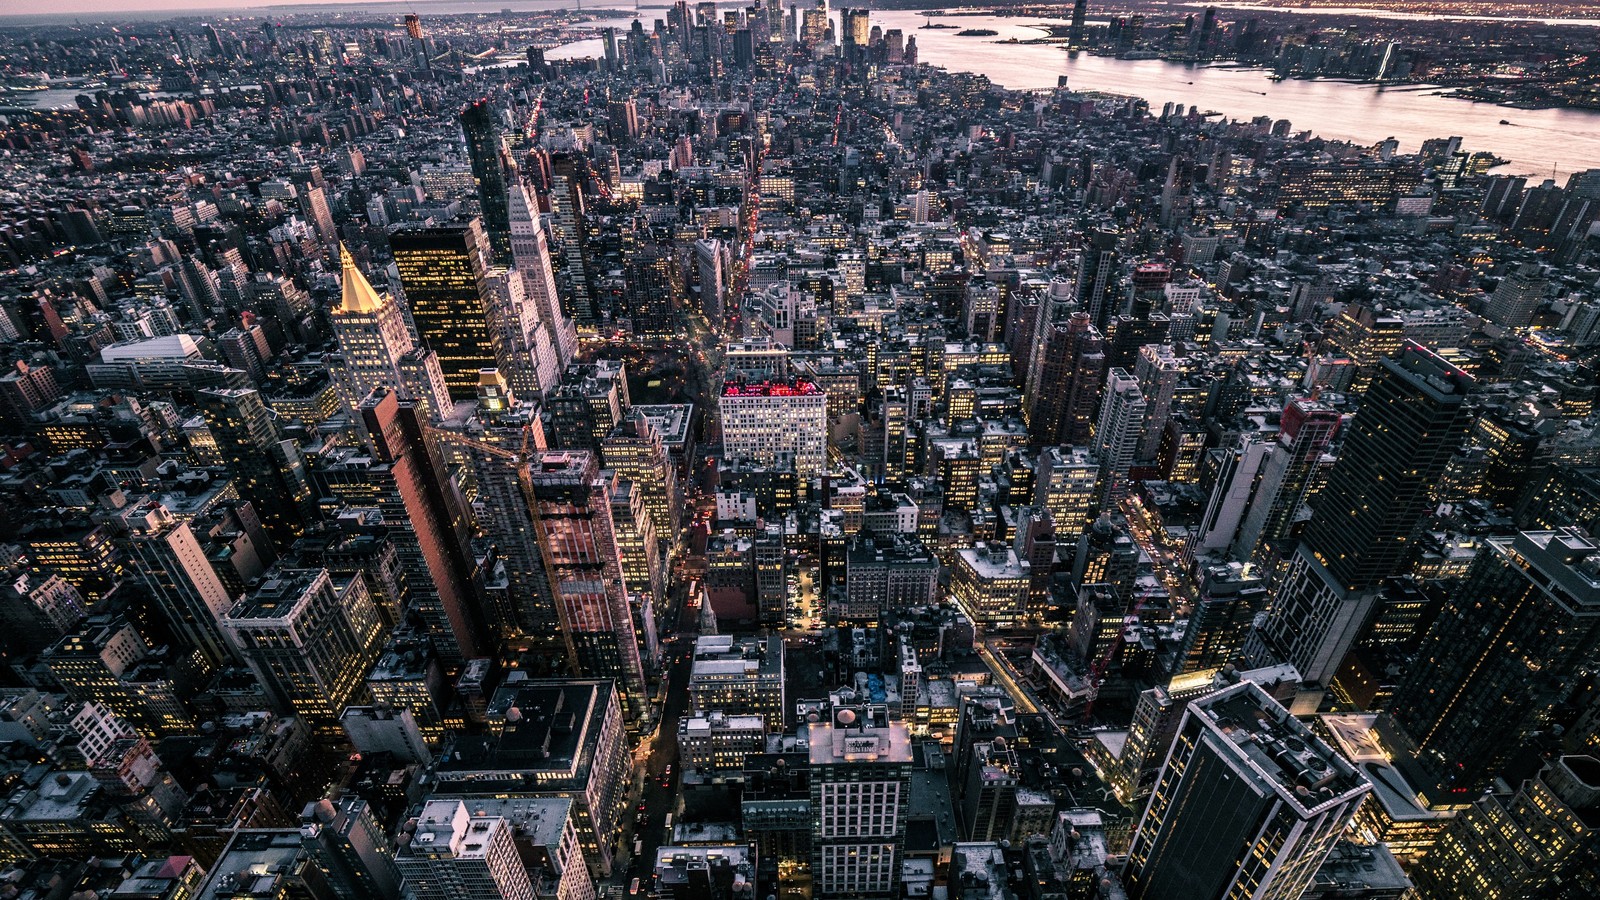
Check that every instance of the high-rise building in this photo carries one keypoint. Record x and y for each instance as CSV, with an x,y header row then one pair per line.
x,y
169,561
484,149
268,469
106,661
443,272
1507,648
860,794
530,254
1098,264
569,177
577,536
1157,372
493,448
1247,805
454,855
548,739
1066,482
1080,11
526,357
1287,476
404,479
1517,297
1117,437
310,641
349,845
374,342
1065,385
739,676
1396,449
762,421
1519,844
652,292
587,405
634,449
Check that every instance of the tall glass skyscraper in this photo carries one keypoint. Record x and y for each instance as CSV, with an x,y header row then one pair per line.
x,y
484,149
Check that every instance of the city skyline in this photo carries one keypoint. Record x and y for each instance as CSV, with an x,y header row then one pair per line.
x,y
753,450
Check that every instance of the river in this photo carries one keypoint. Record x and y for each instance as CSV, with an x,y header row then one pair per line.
x,y
1539,143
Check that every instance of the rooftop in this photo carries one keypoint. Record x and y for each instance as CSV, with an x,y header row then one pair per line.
x,y
1282,752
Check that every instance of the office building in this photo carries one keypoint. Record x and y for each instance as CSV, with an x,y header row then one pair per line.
x,y
268,469
1066,482
1116,438
768,420
1366,516
349,845
173,567
549,739
530,253
1287,476
444,273
310,641
266,863
715,744
374,344
1156,370
860,791
1065,383
887,573
485,149
1509,646
1519,844
577,536
739,676
1098,276
588,405
423,514
1248,804
635,451
454,855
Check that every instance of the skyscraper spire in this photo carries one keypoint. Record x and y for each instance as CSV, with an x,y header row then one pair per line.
x,y
358,295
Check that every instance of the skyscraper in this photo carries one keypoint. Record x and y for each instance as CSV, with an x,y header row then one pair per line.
x,y
1518,845
1116,439
572,518
525,355
485,150
635,450
443,271
1157,372
310,642
1080,11
761,420
860,793
1064,386
1097,277
405,481
454,855
493,448
1248,804
1507,648
268,470
530,254
1397,447
173,567
1304,435
569,177
373,344
652,293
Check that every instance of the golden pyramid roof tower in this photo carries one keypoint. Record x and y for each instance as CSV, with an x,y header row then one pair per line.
x,y
358,296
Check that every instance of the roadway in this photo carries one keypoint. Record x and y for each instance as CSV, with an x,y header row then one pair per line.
x,y
660,753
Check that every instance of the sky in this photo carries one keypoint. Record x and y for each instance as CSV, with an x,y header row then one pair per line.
x,y
109,8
